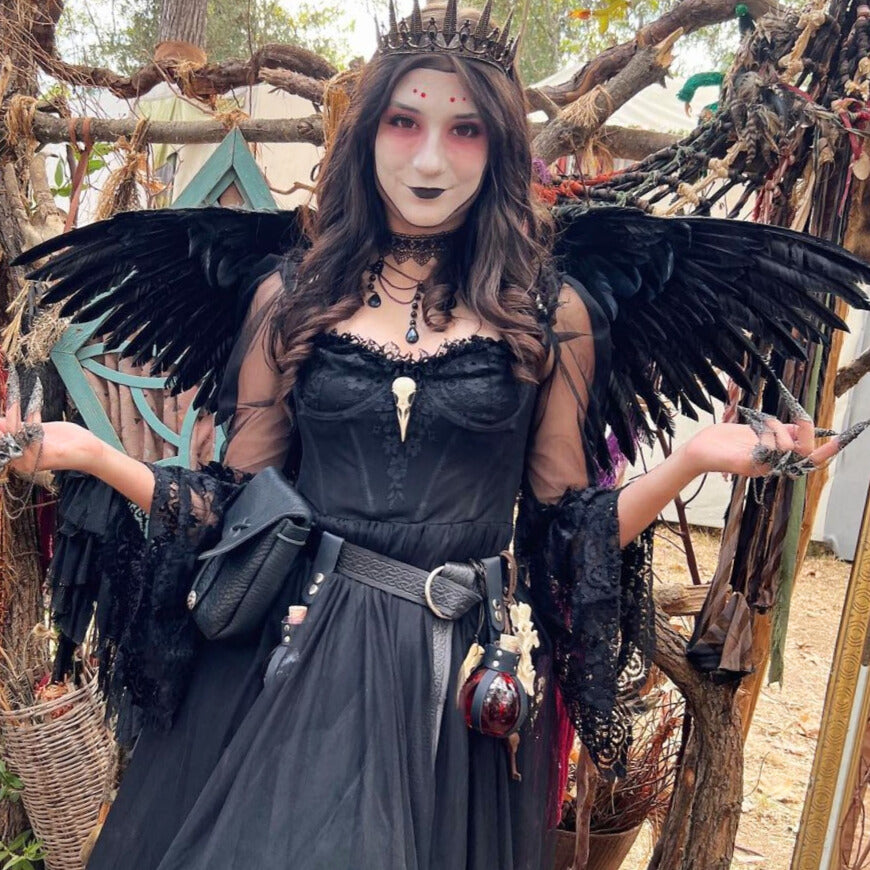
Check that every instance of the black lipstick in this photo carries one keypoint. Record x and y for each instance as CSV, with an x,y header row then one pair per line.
x,y
427,192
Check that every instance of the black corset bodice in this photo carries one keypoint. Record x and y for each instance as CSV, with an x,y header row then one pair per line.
x,y
448,490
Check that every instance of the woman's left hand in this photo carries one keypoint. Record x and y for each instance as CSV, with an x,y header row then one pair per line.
x,y
760,449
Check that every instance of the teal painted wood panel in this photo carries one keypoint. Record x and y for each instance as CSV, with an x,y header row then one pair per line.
x,y
231,164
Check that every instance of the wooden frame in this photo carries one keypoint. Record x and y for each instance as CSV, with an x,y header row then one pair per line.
x,y
847,704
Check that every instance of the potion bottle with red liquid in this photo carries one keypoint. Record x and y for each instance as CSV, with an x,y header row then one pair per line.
x,y
493,700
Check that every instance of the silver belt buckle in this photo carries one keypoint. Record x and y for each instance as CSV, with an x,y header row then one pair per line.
x,y
427,593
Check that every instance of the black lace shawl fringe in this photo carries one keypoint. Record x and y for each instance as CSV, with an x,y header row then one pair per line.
x,y
596,600
146,639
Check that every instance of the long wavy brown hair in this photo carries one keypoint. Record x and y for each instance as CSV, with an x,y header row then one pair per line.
x,y
498,255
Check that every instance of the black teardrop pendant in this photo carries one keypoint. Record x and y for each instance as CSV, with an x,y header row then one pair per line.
x,y
374,301
412,336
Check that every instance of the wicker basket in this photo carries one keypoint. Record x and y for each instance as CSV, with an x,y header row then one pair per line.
x,y
65,757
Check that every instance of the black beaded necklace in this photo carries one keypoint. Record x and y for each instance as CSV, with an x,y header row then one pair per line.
x,y
421,249
412,336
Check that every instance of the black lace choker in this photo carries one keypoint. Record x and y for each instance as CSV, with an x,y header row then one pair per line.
x,y
421,248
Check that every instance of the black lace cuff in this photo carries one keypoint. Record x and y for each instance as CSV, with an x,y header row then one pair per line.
x,y
146,639
596,599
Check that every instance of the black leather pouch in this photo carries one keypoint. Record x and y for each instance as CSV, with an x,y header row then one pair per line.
x,y
263,531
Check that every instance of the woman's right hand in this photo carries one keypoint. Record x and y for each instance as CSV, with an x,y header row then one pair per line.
x,y
63,446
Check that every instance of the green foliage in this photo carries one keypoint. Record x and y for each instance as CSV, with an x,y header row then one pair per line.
x,y
62,183
25,852
122,33
10,784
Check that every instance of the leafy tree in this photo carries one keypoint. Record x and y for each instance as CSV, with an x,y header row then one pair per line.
x,y
122,33
562,32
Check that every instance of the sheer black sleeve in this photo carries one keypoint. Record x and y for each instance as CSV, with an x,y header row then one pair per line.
x,y
594,596
260,430
139,582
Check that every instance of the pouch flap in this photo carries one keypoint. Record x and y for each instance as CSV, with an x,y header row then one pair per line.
x,y
264,500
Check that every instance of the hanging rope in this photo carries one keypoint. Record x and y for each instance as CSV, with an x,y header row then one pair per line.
x,y
336,99
80,170
717,170
19,123
120,190
809,23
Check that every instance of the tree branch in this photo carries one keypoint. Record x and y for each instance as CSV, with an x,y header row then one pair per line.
x,y
631,143
573,127
202,83
705,809
850,374
624,142
540,102
47,128
294,83
688,16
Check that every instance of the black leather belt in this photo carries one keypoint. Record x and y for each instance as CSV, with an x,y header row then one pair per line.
x,y
449,591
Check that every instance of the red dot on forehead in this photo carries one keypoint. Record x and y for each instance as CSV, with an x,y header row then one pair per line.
x,y
453,99
423,95
415,90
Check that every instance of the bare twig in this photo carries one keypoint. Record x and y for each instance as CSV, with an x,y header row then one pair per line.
x,y
47,128
576,123
850,374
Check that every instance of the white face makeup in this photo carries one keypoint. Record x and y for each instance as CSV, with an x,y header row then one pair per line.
x,y
430,153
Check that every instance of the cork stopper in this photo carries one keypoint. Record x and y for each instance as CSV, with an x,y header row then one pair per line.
x,y
296,614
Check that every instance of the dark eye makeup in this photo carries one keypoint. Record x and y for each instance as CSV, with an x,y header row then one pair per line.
x,y
403,122
464,130
467,131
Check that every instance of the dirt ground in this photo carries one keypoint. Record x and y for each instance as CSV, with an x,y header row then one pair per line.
x,y
779,751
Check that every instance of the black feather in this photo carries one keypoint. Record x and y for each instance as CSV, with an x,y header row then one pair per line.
x,y
171,286
689,295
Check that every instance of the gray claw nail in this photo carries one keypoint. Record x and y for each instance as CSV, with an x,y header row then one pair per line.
x,y
795,409
13,388
852,433
34,403
826,433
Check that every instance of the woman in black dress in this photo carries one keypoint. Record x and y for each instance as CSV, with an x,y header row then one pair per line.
x,y
417,370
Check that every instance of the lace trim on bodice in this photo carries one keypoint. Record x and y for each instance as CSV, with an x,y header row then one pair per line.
x,y
391,354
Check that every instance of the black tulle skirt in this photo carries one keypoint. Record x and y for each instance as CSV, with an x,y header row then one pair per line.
x,y
335,763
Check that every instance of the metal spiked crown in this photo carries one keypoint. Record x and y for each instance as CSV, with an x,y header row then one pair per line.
x,y
480,41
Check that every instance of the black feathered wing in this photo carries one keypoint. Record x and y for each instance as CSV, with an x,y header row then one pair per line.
x,y
172,286
688,297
